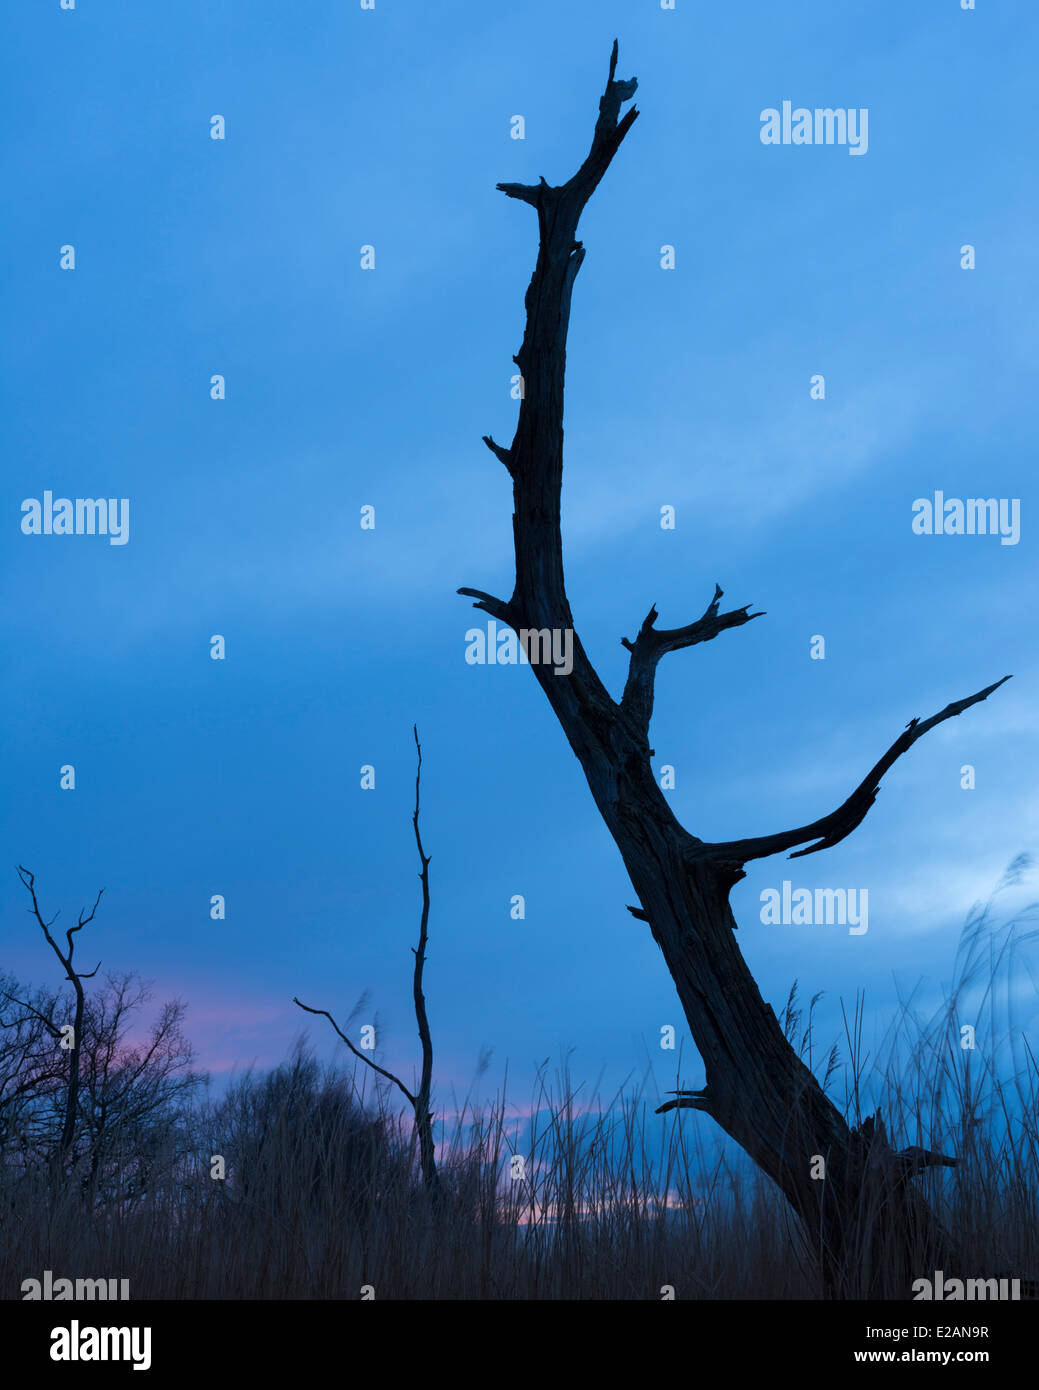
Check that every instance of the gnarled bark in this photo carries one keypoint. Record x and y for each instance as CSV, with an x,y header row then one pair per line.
x,y
873,1233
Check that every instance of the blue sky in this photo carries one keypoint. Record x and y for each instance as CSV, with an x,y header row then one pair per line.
x,y
686,387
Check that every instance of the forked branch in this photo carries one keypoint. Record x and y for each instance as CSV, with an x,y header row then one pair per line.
x,y
652,643
535,457
687,1100
606,139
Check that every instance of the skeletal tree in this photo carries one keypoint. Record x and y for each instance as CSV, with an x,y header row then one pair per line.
x,y
75,978
418,1100
74,1085
866,1222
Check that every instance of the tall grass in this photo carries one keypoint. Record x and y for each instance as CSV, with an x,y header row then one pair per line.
x,y
322,1194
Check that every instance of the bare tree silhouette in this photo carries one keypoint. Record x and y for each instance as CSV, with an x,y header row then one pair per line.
x,y
78,1096
871,1229
75,978
419,1100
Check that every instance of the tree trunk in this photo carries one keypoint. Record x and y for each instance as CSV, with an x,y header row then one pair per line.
x,y
68,1129
75,977
872,1233
423,1114
419,1101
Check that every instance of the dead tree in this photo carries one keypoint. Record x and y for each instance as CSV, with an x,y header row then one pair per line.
x,y
419,1100
75,978
871,1229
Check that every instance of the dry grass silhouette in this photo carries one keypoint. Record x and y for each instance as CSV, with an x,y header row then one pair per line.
x,y
324,1194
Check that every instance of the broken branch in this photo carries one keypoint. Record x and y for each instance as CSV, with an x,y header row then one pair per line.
x,y
652,643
